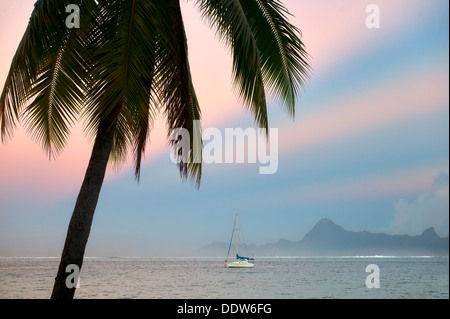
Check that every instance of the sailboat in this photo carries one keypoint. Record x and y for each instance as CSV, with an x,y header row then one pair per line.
x,y
240,261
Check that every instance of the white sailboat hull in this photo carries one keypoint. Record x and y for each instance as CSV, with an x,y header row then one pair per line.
x,y
239,264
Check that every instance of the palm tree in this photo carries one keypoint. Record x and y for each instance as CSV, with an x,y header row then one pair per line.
x,y
127,62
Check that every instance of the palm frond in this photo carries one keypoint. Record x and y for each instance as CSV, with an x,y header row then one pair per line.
x,y
284,60
123,71
175,87
48,70
230,20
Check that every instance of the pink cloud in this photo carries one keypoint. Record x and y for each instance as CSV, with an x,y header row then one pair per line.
x,y
28,171
335,31
418,93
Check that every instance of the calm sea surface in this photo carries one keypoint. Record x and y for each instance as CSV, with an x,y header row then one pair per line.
x,y
272,278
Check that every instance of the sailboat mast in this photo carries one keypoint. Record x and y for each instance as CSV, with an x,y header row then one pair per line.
x,y
237,235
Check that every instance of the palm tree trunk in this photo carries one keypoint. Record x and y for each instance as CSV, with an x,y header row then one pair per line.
x,y
81,221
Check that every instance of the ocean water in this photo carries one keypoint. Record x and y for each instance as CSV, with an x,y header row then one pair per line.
x,y
198,278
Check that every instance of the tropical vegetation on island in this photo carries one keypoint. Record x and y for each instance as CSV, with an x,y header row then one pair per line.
x,y
126,63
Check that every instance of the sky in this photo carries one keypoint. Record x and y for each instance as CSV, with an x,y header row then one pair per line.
x,y
369,146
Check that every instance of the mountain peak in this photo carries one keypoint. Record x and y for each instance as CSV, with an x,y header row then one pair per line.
x,y
430,233
326,223
324,229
